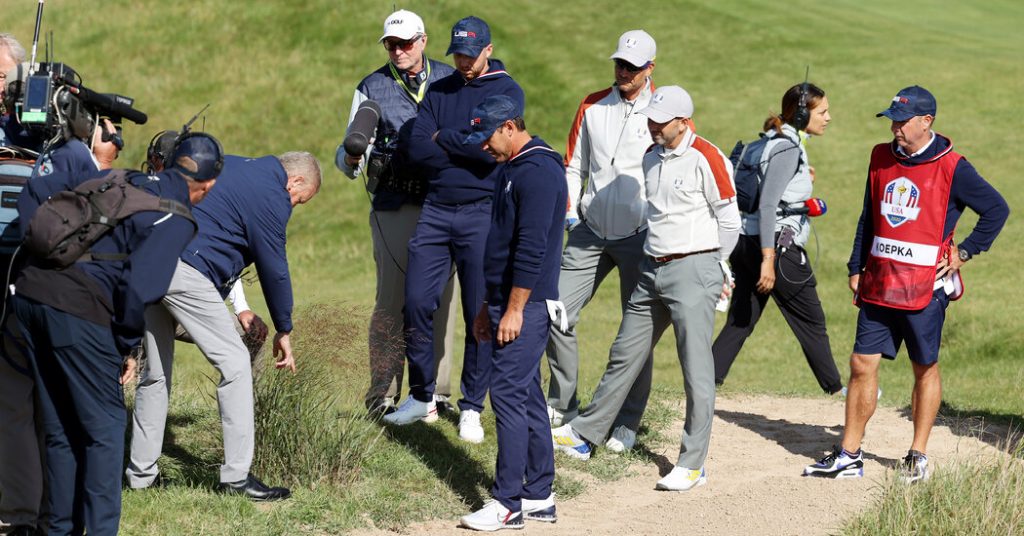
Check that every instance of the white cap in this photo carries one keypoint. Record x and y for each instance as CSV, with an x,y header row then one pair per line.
x,y
403,25
668,103
636,47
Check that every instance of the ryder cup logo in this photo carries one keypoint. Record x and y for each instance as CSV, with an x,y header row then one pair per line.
x,y
900,202
631,43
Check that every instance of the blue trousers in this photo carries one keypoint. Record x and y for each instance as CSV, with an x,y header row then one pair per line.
x,y
526,462
445,233
77,368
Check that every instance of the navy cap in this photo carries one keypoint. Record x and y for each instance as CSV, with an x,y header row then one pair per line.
x,y
469,37
910,102
489,115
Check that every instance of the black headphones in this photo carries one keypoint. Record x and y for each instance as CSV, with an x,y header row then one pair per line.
x,y
802,116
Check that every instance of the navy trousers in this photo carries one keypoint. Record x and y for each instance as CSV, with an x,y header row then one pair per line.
x,y
526,460
77,368
444,233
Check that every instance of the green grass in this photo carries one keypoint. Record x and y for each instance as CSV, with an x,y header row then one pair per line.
x,y
980,495
280,77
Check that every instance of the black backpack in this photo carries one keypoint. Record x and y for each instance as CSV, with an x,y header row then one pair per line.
x,y
64,227
749,171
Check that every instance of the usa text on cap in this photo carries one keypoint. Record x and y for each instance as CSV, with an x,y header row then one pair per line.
x,y
469,37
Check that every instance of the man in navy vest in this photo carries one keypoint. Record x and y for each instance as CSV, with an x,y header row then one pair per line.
x,y
78,326
454,223
905,268
398,188
244,223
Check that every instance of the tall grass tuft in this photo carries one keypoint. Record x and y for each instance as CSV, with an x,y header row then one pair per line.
x,y
304,437
980,495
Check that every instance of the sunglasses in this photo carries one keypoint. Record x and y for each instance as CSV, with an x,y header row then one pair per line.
x,y
404,46
629,67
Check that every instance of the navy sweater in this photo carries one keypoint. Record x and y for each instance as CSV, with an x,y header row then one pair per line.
x,y
243,220
463,173
113,293
968,189
524,246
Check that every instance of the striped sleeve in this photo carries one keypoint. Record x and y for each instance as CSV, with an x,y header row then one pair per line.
x,y
721,168
577,158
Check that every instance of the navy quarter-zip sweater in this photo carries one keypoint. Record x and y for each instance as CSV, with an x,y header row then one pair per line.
x,y
464,173
112,293
968,189
524,246
243,221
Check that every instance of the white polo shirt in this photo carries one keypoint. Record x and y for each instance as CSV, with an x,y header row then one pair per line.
x,y
686,186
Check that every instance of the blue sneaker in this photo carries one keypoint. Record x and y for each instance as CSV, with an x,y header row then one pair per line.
x,y
565,439
838,464
540,509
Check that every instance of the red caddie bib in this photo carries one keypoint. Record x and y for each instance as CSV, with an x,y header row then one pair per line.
x,y
908,211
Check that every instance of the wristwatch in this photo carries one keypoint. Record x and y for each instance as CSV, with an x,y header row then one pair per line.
x,y
964,255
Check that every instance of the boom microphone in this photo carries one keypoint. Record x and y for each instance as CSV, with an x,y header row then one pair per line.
x,y
362,128
813,208
115,105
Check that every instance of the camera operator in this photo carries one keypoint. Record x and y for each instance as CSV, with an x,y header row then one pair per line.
x,y
79,324
21,484
398,190
11,131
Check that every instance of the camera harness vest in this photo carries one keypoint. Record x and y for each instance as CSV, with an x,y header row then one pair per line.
x,y
908,212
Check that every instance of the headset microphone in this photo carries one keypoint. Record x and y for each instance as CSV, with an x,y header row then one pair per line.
x,y
813,208
362,129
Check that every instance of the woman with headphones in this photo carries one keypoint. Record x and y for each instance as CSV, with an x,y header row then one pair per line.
x,y
770,259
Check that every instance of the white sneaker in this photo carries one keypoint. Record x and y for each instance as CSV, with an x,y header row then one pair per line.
x,y
540,509
682,479
493,516
622,439
410,411
555,417
470,429
565,439
431,415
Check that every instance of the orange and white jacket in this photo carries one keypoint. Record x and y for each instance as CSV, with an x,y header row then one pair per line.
x,y
605,150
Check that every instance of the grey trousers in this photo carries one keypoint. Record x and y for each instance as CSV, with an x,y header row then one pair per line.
x,y
194,303
21,470
681,293
391,230
586,261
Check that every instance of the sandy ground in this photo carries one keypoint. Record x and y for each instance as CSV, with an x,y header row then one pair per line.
x,y
759,447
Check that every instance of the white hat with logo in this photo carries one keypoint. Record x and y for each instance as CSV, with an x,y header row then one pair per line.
x,y
668,103
637,47
403,25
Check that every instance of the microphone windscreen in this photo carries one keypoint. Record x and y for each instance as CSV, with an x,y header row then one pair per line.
x,y
362,128
816,207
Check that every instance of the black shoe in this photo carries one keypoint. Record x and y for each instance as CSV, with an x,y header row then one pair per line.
x,y
380,409
252,488
23,530
158,483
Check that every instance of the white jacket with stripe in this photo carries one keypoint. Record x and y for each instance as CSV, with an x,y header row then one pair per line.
x,y
605,150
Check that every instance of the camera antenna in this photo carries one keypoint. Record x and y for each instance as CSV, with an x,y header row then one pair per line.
x,y
185,128
35,37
